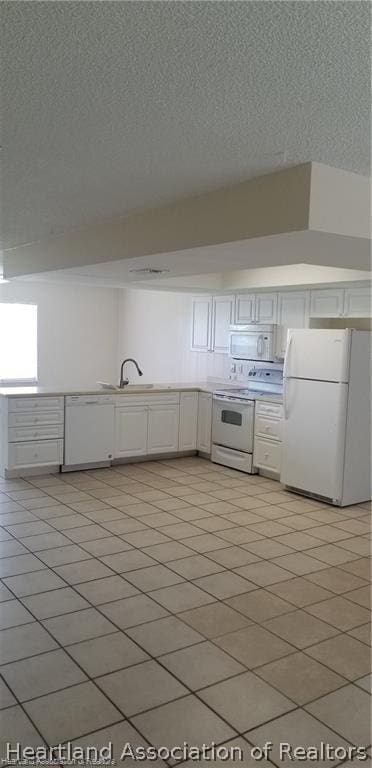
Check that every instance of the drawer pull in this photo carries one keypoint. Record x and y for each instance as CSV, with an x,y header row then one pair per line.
x,y
36,455
266,455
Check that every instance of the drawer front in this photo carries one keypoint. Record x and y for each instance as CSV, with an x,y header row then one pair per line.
x,y
36,453
230,458
274,410
267,427
267,454
122,401
23,434
26,404
35,418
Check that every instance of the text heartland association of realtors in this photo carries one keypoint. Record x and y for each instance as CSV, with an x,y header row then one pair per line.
x,y
72,753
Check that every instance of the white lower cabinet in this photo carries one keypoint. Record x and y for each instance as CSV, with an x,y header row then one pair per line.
x,y
146,424
35,454
268,425
203,442
130,431
267,455
188,421
32,434
162,432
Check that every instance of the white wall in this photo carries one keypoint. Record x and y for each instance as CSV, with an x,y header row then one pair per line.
x,y
291,274
77,331
154,328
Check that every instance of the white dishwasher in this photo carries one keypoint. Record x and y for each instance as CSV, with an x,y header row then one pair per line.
x,y
89,430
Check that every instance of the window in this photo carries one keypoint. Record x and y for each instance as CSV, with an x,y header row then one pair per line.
x,y
18,343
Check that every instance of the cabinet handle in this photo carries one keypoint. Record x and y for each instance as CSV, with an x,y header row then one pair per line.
x,y
266,455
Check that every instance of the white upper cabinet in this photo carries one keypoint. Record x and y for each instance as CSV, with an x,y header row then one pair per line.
x,y
211,317
358,301
223,317
188,421
341,302
256,308
293,312
201,325
211,320
327,302
245,309
266,307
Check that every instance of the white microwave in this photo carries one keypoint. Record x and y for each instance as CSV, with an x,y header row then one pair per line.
x,y
252,342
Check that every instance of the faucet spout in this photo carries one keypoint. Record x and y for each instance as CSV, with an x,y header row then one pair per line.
x,y
124,382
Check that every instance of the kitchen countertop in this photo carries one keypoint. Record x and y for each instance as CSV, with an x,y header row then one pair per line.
x,y
205,386
271,398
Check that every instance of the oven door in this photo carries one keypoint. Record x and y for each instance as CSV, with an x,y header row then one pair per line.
x,y
251,345
233,421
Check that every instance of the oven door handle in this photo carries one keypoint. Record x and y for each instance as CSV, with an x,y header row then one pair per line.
x,y
233,400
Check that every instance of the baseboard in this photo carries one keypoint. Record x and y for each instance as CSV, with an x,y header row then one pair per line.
x,y
152,457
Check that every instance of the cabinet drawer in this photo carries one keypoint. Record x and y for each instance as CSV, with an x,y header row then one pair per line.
x,y
273,410
129,400
35,403
267,454
35,418
23,434
35,453
267,427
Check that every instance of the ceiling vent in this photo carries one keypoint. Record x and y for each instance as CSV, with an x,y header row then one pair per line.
x,y
148,271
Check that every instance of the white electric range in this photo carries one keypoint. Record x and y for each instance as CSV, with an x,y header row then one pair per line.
x,y
233,418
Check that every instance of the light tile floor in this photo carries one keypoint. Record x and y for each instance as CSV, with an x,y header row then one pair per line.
x,y
179,600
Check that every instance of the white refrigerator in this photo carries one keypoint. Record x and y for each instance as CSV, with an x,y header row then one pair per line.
x,y
326,445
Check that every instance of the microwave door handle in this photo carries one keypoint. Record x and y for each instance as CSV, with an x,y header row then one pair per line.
x,y
260,345
231,345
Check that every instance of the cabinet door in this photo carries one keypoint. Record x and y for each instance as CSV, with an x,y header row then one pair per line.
x,y
266,307
245,308
201,324
267,455
204,422
223,317
358,302
162,436
327,302
130,431
188,421
293,312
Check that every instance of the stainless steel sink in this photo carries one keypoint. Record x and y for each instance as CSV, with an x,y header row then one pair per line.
x,y
130,387
133,387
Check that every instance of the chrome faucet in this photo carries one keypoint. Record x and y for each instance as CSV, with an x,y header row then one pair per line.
x,y
124,382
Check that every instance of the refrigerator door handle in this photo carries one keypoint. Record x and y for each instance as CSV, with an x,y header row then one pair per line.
x,y
285,412
286,359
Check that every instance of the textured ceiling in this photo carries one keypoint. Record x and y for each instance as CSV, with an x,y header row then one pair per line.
x,y
113,106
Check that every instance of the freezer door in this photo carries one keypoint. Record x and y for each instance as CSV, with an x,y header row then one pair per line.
x,y
320,354
314,436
